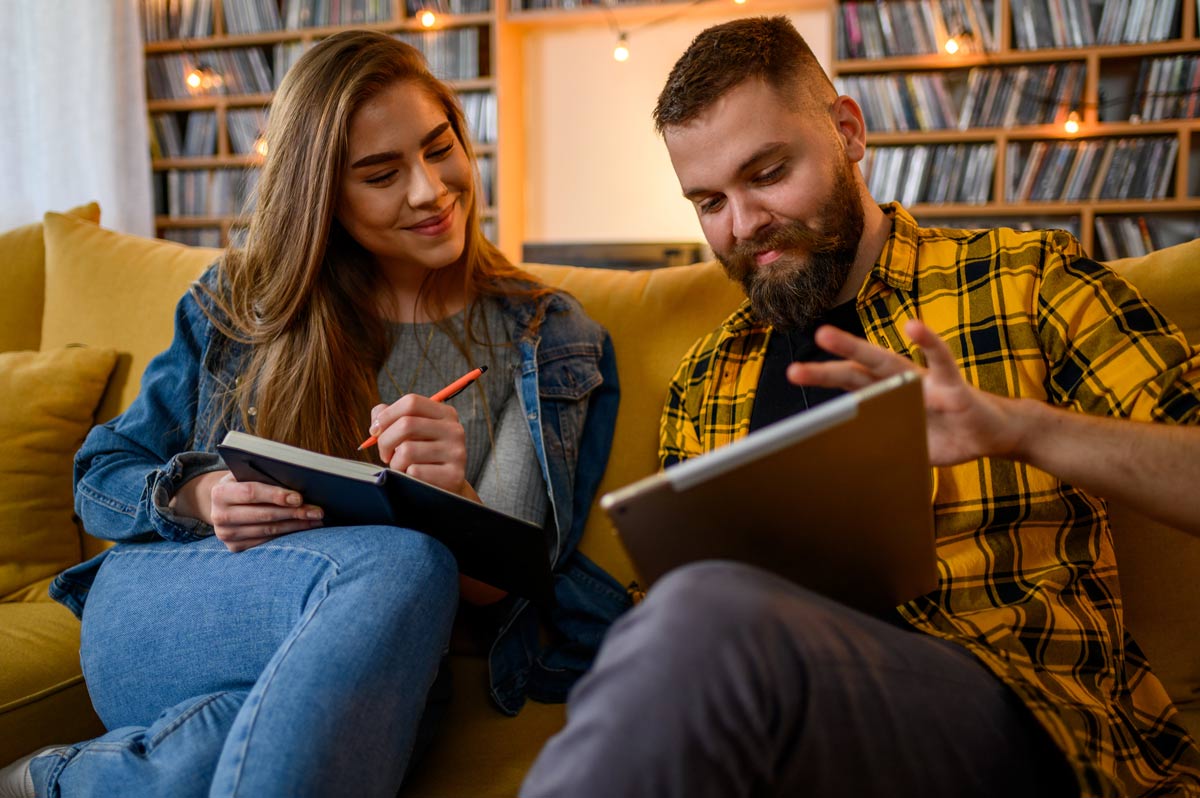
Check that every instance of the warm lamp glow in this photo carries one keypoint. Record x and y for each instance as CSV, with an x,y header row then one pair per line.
x,y
740,2
428,19
1072,123
260,146
202,78
621,51
952,45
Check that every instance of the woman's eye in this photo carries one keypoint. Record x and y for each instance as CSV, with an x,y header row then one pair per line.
x,y
441,152
380,179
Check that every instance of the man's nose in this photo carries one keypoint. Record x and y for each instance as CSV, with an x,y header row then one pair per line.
x,y
749,218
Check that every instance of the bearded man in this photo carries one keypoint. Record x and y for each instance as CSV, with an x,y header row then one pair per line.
x,y
1050,387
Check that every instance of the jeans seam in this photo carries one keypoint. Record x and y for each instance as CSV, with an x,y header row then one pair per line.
x,y
175,724
267,677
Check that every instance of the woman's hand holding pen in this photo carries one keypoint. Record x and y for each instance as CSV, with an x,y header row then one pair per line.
x,y
424,439
244,514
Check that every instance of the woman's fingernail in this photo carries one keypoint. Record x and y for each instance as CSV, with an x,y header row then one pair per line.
x,y
315,514
294,499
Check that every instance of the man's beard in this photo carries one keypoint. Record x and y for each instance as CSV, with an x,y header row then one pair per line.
x,y
802,283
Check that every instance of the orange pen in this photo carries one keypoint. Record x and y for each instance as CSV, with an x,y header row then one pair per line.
x,y
450,391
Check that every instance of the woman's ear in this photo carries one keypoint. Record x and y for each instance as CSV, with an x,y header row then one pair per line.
x,y
850,126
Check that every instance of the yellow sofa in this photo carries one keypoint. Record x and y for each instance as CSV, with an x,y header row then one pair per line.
x,y
115,294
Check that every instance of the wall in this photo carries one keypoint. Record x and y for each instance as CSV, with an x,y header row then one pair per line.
x,y
595,169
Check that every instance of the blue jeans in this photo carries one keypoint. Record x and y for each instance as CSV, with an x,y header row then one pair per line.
x,y
300,667
729,681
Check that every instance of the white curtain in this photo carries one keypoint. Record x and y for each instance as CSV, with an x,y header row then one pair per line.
x,y
73,112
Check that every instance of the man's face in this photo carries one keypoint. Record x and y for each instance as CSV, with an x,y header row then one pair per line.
x,y
776,197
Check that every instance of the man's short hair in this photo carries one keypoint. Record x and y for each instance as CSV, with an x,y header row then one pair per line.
x,y
723,56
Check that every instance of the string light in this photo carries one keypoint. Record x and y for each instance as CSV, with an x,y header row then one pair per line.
x,y
740,2
621,51
260,145
428,18
952,45
202,78
1072,123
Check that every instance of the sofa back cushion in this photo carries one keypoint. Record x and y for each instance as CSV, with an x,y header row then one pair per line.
x,y
23,273
110,289
1159,566
113,290
654,316
47,402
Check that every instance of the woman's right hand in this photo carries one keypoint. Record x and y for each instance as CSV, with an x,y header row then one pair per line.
x,y
244,514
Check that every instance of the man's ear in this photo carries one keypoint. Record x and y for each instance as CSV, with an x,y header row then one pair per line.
x,y
851,129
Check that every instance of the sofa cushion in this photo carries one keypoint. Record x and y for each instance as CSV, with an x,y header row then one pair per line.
x,y
22,270
43,700
632,306
1158,565
47,401
481,752
109,289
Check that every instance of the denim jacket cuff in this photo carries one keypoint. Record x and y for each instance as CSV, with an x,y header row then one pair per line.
x,y
166,481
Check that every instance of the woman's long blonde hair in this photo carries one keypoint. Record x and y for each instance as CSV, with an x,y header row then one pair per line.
x,y
300,290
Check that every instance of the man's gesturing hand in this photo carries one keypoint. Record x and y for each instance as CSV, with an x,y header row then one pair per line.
x,y
963,422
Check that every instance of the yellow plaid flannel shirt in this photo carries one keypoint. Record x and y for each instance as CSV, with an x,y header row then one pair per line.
x,y
1027,574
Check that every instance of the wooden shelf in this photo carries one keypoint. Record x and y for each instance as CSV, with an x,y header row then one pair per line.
x,y
222,103
199,221
1098,61
1038,133
309,34
207,162
941,62
208,102
1058,208
626,14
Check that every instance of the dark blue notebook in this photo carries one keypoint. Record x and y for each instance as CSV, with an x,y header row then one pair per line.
x,y
493,547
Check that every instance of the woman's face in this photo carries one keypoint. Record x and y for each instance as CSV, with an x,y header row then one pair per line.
x,y
408,184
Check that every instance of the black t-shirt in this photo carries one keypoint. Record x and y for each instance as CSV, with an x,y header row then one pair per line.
x,y
777,398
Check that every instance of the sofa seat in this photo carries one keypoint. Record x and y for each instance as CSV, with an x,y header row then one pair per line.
x,y
42,696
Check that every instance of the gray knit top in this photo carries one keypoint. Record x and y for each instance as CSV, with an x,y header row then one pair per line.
x,y
501,463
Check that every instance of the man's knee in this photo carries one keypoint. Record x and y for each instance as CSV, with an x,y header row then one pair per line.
x,y
698,605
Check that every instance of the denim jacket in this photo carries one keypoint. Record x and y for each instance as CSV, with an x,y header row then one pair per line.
x,y
128,469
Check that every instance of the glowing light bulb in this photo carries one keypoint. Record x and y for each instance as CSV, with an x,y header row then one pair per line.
x,y
1072,123
260,146
428,19
740,2
621,51
202,78
952,45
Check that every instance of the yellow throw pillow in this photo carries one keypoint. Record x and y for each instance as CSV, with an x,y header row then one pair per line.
x,y
114,290
22,271
47,401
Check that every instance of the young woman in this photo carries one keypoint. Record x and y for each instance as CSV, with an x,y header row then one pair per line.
x,y
232,643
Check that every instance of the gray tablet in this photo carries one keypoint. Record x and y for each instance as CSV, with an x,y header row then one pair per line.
x,y
837,499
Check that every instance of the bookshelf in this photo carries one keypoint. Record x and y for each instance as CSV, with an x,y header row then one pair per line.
x,y
204,138
980,137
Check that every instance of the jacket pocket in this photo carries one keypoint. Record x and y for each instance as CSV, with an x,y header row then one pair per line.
x,y
569,372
